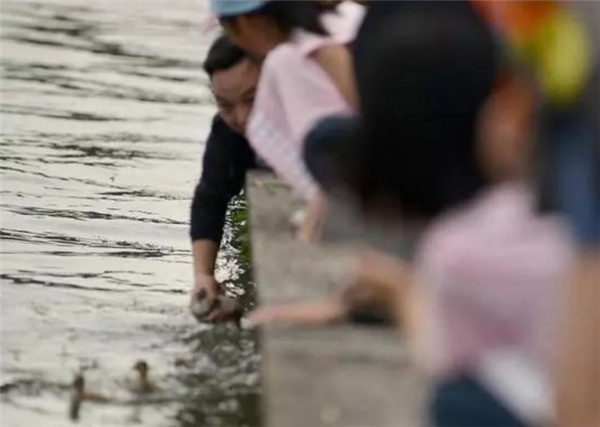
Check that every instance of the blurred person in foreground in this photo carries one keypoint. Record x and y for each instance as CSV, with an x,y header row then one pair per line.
x,y
307,75
227,158
560,41
444,136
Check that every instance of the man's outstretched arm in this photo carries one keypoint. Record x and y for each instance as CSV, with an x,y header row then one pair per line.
x,y
226,160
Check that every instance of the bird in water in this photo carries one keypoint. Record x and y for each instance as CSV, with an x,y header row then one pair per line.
x,y
79,395
142,383
6,387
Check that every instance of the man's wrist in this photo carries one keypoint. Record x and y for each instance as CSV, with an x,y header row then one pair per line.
x,y
207,281
205,277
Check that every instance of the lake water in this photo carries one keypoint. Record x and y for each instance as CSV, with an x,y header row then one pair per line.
x,y
104,114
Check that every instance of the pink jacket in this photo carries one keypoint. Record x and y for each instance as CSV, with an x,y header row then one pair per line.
x,y
493,272
294,93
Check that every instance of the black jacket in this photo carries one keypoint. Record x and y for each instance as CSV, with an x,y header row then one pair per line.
x,y
227,159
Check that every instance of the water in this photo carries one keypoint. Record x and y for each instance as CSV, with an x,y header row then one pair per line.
x,y
104,113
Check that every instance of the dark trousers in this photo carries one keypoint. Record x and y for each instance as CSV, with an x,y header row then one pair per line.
x,y
463,402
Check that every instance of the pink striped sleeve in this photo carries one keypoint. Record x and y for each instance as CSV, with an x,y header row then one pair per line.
x,y
273,146
304,92
293,95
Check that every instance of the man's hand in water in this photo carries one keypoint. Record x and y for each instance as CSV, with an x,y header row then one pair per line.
x,y
204,299
208,306
206,290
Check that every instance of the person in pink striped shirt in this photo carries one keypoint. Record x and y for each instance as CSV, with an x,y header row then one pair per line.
x,y
306,74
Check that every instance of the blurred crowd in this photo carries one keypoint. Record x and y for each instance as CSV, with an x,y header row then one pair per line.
x,y
471,124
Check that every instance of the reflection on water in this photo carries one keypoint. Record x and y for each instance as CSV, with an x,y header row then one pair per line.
x,y
104,110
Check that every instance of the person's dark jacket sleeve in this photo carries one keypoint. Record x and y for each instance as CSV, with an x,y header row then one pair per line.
x,y
227,158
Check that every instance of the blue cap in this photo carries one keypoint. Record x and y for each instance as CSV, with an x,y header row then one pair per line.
x,y
235,7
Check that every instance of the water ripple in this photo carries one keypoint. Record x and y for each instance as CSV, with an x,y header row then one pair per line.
x,y
105,109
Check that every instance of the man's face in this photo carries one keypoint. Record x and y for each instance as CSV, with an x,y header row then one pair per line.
x,y
234,91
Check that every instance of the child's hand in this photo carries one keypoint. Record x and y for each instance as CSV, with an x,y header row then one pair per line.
x,y
312,313
311,228
381,286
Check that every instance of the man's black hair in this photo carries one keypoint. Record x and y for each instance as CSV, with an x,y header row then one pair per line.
x,y
223,55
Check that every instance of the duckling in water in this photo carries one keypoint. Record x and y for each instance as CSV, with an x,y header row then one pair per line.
x,y
78,395
142,385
